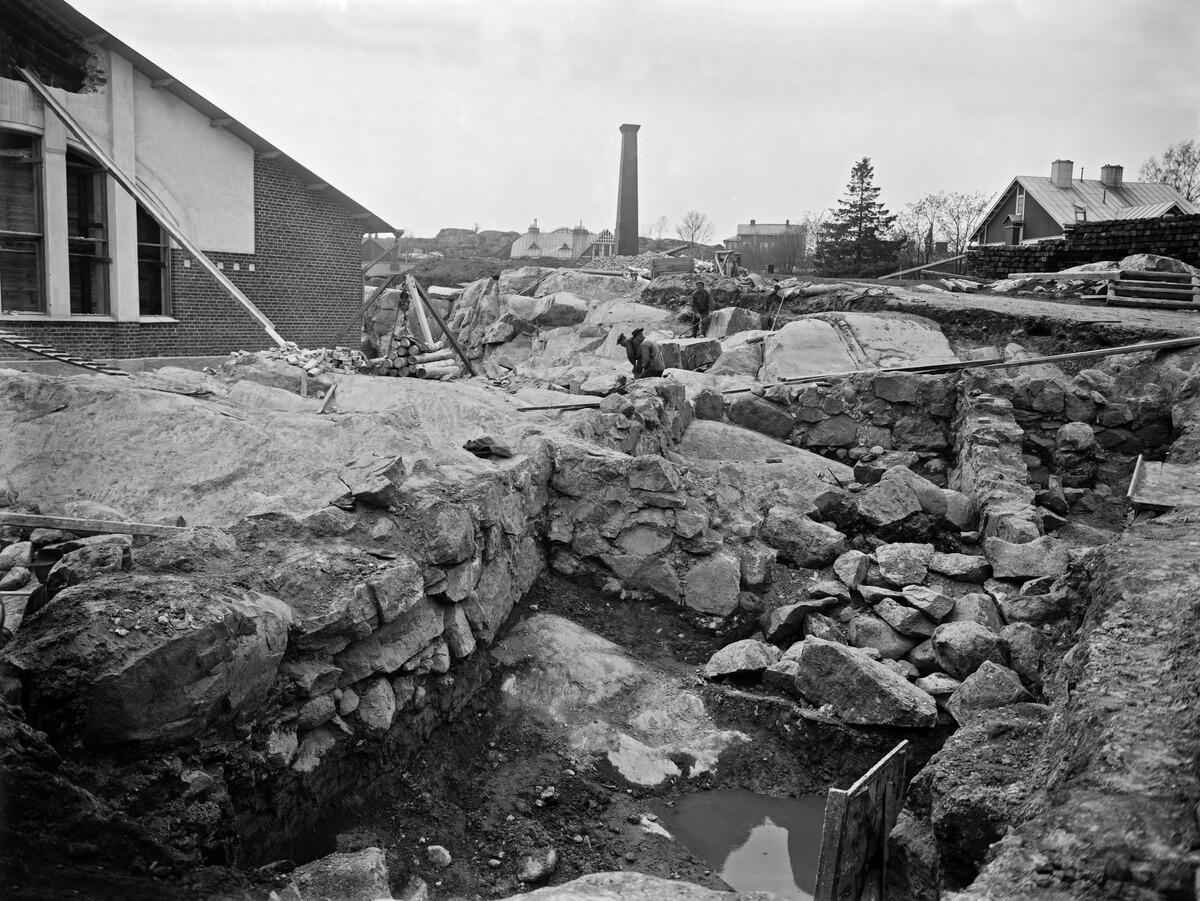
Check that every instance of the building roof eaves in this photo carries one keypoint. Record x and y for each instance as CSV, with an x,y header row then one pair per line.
x,y
370,221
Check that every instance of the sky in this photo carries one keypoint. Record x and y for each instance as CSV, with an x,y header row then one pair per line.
x,y
452,113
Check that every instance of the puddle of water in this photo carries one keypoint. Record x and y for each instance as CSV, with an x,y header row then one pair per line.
x,y
753,842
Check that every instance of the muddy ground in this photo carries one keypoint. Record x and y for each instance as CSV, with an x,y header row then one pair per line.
x,y
478,788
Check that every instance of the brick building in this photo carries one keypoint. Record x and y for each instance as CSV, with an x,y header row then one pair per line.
x,y
85,267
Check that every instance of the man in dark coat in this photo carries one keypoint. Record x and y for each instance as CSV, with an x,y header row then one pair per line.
x,y
641,354
702,307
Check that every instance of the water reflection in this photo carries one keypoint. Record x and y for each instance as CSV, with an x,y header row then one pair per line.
x,y
755,843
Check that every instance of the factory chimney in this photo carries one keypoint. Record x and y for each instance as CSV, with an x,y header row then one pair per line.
x,y
627,194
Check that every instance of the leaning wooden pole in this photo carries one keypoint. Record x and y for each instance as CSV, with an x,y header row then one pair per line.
x,y
423,301
150,204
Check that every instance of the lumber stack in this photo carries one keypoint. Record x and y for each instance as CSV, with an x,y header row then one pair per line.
x,y
414,358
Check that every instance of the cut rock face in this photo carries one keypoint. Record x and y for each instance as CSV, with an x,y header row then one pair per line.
x,y
860,690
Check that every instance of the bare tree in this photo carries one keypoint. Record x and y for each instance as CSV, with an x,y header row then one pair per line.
x,y
695,228
1179,167
657,228
814,225
960,211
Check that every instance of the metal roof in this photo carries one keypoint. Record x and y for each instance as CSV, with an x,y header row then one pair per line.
x,y
167,82
1149,210
1100,202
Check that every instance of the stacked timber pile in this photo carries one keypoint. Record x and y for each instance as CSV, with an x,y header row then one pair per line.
x,y
409,356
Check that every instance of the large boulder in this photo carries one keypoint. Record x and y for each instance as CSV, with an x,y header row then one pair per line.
x,y
741,658
904,563
869,631
1045,556
860,690
989,687
712,585
687,353
148,659
730,320
760,415
887,503
963,647
801,540
355,876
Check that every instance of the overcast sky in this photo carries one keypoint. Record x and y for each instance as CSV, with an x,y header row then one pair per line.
x,y
437,113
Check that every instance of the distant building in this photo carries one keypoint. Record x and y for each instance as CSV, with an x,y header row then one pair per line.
x,y
1033,207
763,244
563,243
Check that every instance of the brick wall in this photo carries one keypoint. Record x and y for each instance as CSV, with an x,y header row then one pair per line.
x,y
307,279
1089,242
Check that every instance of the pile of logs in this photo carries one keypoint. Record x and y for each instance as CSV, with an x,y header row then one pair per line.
x,y
411,357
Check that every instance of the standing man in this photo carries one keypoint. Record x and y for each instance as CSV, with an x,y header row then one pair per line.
x,y
702,305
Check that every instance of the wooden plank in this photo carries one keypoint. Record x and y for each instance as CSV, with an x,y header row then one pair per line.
x,y
831,842
1155,289
151,205
415,296
1117,300
961,256
82,526
328,399
1164,486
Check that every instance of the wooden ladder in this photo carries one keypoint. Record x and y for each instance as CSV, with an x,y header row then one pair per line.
x,y
53,353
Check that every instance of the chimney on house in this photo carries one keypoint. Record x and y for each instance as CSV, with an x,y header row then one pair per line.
x,y
1112,175
627,193
1061,173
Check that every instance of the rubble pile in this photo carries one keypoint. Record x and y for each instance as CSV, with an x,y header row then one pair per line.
x,y
313,361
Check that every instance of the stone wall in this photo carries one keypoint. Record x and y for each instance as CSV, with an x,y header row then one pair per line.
x,y
846,417
1089,242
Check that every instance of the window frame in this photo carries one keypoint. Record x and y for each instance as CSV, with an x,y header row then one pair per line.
x,y
1019,206
163,263
94,181
38,239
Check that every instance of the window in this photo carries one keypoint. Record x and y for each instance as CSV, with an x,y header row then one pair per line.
x,y
154,266
1020,210
20,223
87,235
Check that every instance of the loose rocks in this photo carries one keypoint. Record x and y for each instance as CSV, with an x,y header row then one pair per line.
x,y
740,658
860,690
989,687
962,648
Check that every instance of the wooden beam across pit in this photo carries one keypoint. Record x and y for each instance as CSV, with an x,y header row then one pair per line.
x,y
89,526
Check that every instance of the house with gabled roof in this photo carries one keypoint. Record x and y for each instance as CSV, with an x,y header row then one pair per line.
x,y
1035,207
91,223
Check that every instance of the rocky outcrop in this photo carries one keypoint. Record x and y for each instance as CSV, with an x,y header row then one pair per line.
x,y
148,660
1093,798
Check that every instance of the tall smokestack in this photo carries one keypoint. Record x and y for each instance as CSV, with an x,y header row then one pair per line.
x,y
627,194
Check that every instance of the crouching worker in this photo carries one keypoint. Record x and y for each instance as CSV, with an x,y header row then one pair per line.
x,y
642,354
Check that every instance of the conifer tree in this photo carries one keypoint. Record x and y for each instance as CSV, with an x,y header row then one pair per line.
x,y
856,242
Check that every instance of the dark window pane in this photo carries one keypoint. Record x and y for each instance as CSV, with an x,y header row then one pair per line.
x,y
87,235
20,270
19,183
